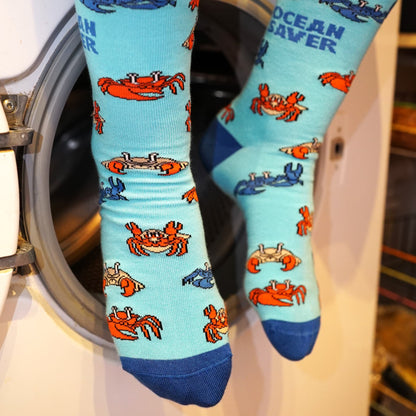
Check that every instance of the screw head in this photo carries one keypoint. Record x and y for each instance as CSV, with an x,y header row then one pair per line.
x,y
9,106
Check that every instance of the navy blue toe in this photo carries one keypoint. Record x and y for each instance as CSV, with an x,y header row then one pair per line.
x,y
199,380
293,340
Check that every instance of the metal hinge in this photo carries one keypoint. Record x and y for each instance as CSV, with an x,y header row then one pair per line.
x,y
25,255
14,107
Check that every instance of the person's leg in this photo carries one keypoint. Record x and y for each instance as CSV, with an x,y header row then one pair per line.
x,y
262,151
164,311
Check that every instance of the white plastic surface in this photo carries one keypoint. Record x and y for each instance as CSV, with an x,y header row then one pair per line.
x,y
9,203
5,278
4,126
9,216
25,28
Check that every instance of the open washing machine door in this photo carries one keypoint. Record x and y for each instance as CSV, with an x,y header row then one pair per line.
x,y
57,311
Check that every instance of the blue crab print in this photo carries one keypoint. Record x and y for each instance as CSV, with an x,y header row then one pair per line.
x,y
96,5
260,54
250,187
200,278
113,191
357,12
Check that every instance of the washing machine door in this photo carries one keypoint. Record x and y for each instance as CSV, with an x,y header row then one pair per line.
x,y
60,183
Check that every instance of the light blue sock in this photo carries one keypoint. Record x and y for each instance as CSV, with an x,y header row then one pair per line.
x,y
163,309
262,151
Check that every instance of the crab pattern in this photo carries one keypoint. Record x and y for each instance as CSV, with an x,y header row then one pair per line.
x,y
158,241
272,255
188,122
97,5
124,162
193,4
190,40
190,195
278,294
304,225
227,114
142,88
202,278
357,12
261,53
112,192
287,109
338,81
97,119
256,184
114,276
301,150
124,324
218,324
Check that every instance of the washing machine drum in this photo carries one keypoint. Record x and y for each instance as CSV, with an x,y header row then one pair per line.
x,y
60,183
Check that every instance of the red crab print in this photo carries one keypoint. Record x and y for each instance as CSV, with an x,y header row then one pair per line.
x,y
114,276
286,109
98,120
227,114
218,323
304,225
188,122
278,294
157,241
120,322
193,4
142,88
338,81
272,255
302,150
166,165
190,40
190,195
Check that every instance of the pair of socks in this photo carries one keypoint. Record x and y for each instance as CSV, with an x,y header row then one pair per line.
x,y
165,314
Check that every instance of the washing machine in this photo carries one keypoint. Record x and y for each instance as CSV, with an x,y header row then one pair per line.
x,y
56,355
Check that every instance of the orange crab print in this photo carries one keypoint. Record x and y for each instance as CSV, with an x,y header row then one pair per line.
x,y
158,241
278,294
123,324
272,254
188,122
98,120
287,109
193,4
114,276
166,165
338,81
142,88
190,40
302,150
190,195
304,225
228,114
218,324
